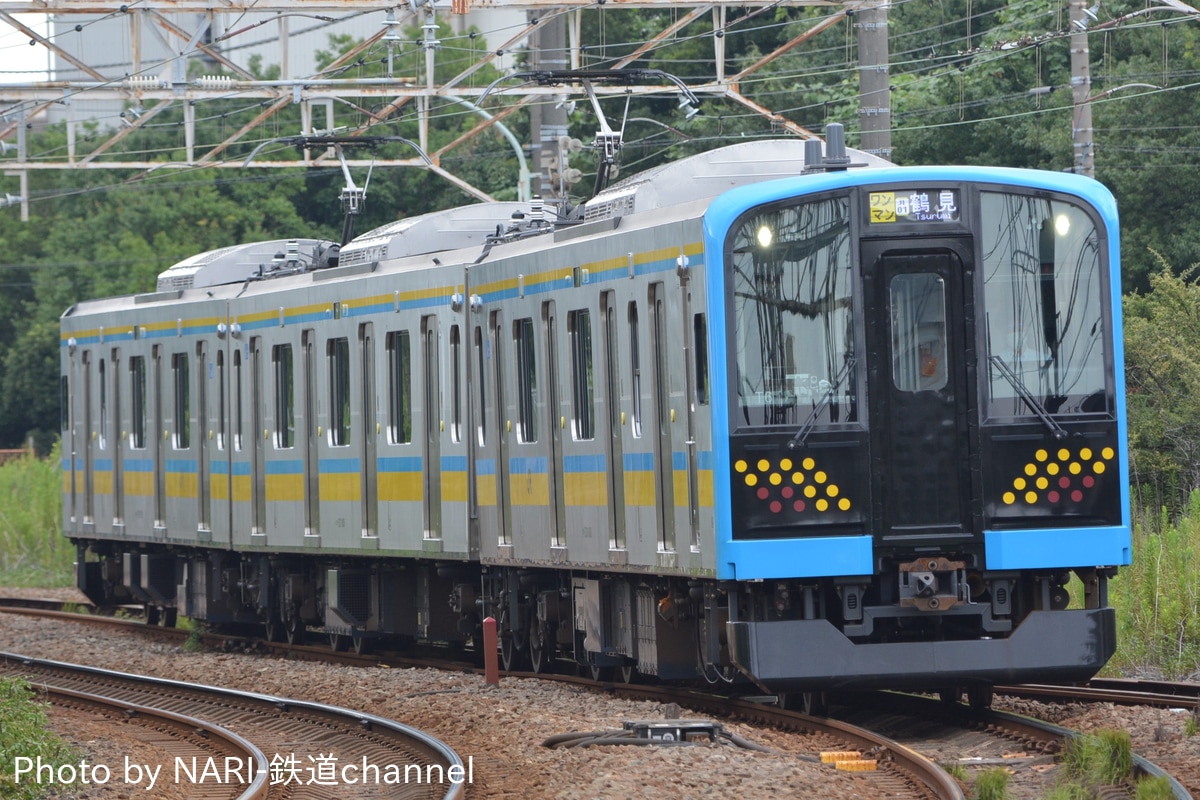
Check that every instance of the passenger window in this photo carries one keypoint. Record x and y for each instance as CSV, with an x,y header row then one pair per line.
x,y
137,393
339,392
480,415
526,380
285,396
220,399
579,329
918,308
183,406
399,388
700,347
455,384
237,400
102,434
635,366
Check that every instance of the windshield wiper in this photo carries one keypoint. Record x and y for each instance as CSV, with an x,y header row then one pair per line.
x,y
811,422
1027,396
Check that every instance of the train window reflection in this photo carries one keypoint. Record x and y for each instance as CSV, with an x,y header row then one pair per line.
x,y
526,381
399,387
918,311
183,409
339,391
285,398
579,327
1044,307
792,284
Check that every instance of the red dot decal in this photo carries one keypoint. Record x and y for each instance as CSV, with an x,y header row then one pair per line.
x,y
788,492
798,505
1088,481
764,493
1052,497
776,506
1064,482
1077,496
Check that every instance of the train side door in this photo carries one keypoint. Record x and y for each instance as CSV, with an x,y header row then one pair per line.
x,y
160,442
503,501
917,339
433,436
312,460
664,454
204,444
554,467
612,402
370,504
89,484
258,488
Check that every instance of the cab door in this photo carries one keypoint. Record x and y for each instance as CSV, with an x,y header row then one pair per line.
x,y
917,332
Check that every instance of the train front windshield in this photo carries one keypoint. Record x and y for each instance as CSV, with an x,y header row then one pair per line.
x,y
794,311
793,290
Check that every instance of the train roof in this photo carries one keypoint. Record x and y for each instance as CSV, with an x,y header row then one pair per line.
x,y
435,232
709,174
241,262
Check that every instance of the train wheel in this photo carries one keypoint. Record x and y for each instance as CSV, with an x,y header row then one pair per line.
x,y
361,644
815,704
293,631
979,698
949,695
600,674
273,628
539,656
337,642
170,616
626,673
153,615
510,652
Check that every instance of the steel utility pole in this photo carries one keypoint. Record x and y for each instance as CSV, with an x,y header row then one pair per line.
x,y
1082,135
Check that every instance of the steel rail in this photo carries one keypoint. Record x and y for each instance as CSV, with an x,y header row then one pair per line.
x,y
360,719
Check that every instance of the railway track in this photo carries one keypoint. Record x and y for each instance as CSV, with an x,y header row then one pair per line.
x,y
294,749
907,745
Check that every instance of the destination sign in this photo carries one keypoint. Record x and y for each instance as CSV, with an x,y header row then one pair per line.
x,y
915,205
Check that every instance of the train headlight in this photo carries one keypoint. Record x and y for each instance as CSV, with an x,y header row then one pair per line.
x,y
1062,224
765,236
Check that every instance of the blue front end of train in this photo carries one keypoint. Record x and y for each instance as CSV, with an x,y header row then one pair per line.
x,y
922,433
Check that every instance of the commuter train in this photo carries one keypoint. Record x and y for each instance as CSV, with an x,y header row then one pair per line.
x,y
776,414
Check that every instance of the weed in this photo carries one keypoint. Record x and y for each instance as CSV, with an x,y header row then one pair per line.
x,y
24,733
1102,758
992,784
195,641
1154,789
956,771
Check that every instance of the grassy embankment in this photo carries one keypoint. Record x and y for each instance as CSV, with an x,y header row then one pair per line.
x,y
1157,599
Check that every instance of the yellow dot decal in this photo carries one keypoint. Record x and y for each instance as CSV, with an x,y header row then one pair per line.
x,y
786,464
1009,498
1107,453
831,490
1031,469
819,477
844,504
1064,454
1031,497
822,504
810,491
776,479
797,477
1085,454
1074,468
1098,467
1052,469
808,463
763,465
1019,484
1041,455
751,479
1042,483
740,465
